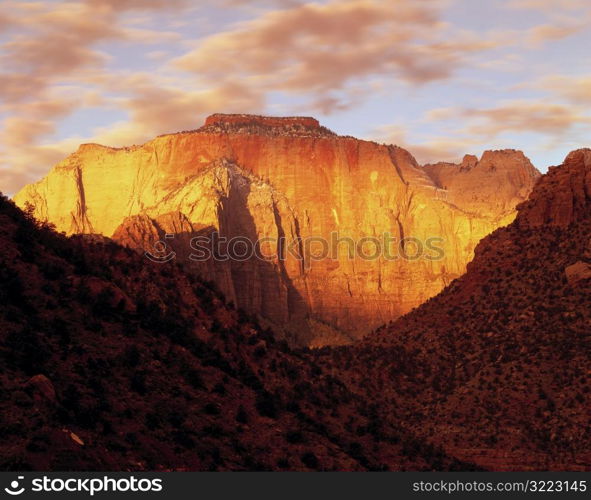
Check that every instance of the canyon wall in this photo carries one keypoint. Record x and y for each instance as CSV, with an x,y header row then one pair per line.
x,y
293,182
504,350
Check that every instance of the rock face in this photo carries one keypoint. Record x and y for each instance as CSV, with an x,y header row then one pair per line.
x,y
496,368
293,183
563,195
577,272
494,184
300,123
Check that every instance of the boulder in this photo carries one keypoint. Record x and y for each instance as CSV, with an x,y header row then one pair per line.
x,y
577,272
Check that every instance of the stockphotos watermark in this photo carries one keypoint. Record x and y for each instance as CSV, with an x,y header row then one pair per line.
x,y
305,250
88,486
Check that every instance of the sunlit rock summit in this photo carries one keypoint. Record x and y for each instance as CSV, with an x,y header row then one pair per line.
x,y
292,180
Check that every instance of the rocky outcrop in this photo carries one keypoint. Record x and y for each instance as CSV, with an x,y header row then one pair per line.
x,y
494,184
41,388
562,196
496,367
291,180
271,122
577,272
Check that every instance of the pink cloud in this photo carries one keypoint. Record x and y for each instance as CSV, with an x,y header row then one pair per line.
x,y
322,47
576,89
550,6
431,150
524,116
550,32
55,46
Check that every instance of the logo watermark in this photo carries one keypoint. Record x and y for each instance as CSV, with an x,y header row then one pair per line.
x,y
89,485
310,249
15,487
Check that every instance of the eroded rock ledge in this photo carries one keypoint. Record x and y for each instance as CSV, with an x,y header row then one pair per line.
x,y
265,125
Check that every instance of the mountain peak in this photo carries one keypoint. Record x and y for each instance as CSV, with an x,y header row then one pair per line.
x,y
469,161
501,156
288,178
563,196
268,125
582,155
269,121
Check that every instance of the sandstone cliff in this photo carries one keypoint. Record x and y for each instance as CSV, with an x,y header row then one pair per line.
x,y
563,196
496,368
264,177
494,184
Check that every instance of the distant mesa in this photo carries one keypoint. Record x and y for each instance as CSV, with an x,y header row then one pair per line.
x,y
265,125
266,121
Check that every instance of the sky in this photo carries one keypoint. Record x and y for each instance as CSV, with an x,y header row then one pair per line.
x,y
441,78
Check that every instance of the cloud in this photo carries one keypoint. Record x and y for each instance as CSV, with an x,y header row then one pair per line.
x,y
48,66
155,108
52,42
524,116
431,150
262,3
472,129
566,18
439,114
576,89
37,119
547,32
549,6
123,5
320,48
58,39
5,22
542,116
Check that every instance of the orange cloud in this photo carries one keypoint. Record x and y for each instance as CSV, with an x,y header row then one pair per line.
x,y
576,89
60,41
483,128
537,116
5,22
55,46
322,47
567,18
524,116
432,150
549,32
550,6
155,108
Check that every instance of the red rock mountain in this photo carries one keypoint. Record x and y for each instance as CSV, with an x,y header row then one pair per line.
x,y
290,178
111,362
496,369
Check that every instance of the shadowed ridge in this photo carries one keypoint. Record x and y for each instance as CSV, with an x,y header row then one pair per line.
x,y
496,368
562,196
110,361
